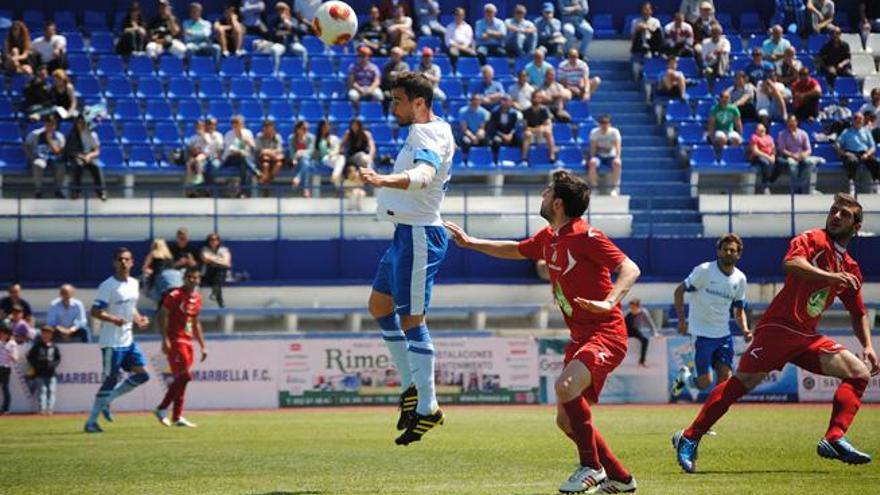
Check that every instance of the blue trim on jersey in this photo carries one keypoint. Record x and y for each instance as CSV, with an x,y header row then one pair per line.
x,y
419,350
428,156
709,351
407,269
122,358
739,304
100,304
418,334
688,287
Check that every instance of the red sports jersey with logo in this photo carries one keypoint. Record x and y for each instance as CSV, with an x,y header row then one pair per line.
x,y
183,310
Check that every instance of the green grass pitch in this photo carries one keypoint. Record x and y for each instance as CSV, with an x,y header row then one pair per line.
x,y
766,449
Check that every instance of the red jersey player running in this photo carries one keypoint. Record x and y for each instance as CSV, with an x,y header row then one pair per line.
x,y
581,260
178,322
817,268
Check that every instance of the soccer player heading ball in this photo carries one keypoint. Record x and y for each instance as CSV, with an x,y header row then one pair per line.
x,y
817,268
581,260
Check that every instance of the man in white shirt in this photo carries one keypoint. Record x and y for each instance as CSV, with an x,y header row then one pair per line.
x,y
647,33
459,38
714,56
714,286
43,148
51,48
116,307
67,316
521,91
574,74
522,35
679,37
238,152
605,150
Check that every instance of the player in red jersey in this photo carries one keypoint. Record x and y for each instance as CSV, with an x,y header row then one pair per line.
x,y
817,268
179,322
581,260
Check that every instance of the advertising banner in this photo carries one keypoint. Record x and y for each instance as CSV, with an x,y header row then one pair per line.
x,y
817,388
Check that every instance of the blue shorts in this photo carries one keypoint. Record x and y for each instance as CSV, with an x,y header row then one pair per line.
x,y
124,358
709,351
605,161
407,269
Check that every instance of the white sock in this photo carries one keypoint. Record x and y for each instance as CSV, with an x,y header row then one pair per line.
x,y
420,354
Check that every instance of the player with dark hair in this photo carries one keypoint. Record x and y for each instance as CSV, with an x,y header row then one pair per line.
x,y
410,197
179,322
581,260
817,268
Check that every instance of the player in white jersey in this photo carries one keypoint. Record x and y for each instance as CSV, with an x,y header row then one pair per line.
x,y
410,197
714,286
116,306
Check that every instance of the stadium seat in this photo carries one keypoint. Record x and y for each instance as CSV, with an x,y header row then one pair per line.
x,y
291,67
101,42
501,67
870,82
312,44
134,133
189,109
579,110
699,91
847,87
140,65
201,66
382,134
603,26
141,157
232,67
126,109
10,133
539,157
452,87
735,157
702,156
211,87
562,134
75,42
872,44
690,134
242,87
110,65
106,133
340,111
118,87
220,109
863,65
371,111
111,156
509,156
302,89
571,157
703,109
321,68
653,67
65,20
583,134
85,87
442,62
158,109
181,87
272,88
262,66
432,42
280,110
816,42
149,87
79,64
95,20
468,68
855,42
12,157
480,157
677,112
251,110
166,133
827,151
171,66
402,134
7,110
332,89
689,68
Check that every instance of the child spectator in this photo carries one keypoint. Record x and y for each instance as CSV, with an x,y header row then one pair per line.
x,y
44,358
8,358
634,320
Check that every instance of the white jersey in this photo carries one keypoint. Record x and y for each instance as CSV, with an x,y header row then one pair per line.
x,y
119,298
712,292
429,143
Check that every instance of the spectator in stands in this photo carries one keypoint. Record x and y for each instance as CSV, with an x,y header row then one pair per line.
x,y
872,106
725,123
856,147
792,16
537,69
521,91
229,32
605,150
770,100
789,67
459,38
327,150
44,148
373,33
805,94
672,83
715,56
164,33
184,254
743,94
774,46
503,128
51,48
37,95
253,17
217,261
238,152
432,72
871,124
353,188
392,68
13,297
197,34
647,33
635,320
538,125
869,16
63,95
197,158
821,15
574,74
550,35
67,317
472,124
358,146
555,96
133,32
214,148
286,30
428,17
834,58
793,151
692,8
388,8
573,14
400,30
270,153
82,150
522,35
489,89
44,357
762,153
156,263
679,37
302,147
490,34
758,69
702,24
20,324
8,359
17,49
305,11
364,78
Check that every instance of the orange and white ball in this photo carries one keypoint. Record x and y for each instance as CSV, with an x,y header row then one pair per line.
x,y
335,23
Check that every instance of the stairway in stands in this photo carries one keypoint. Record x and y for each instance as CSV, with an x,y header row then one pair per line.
x,y
656,181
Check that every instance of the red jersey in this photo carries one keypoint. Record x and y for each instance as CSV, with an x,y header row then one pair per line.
x,y
580,258
183,311
801,302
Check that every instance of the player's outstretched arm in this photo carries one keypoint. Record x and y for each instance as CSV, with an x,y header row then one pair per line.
x,y
417,177
800,267
498,249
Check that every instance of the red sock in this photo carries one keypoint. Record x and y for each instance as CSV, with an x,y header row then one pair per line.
x,y
717,404
610,462
180,399
847,400
579,415
172,393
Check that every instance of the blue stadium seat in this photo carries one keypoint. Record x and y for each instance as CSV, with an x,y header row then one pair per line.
x,y
211,87
232,67
603,26
166,133
847,87
703,109
149,87
262,66
95,20
688,67
402,134
346,61
509,156
272,88
242,87
371,111
158,110
721,84
201,67
118,87
110,65
107,134
7,110
736,45
827,151
220,109
181,87
735,157
251,110
468,68
141,158
703,156
583,134
140,65
65,20
19,81
111,156
302,89
79,64
579,110
321,68
816,42
75,42
726,21
12,158
750,22
189,109
280,110
332,89
126,109
134,133
171,66
571,157
10,133
690,134
698,91
291,67
101,42
382,134
562,134
432,42
539,157
312,44
480,157
340,111
500,65
443,63
653,67
452,87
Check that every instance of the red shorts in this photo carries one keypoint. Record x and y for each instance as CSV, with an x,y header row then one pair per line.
x,y
776,344
601,353
180,357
